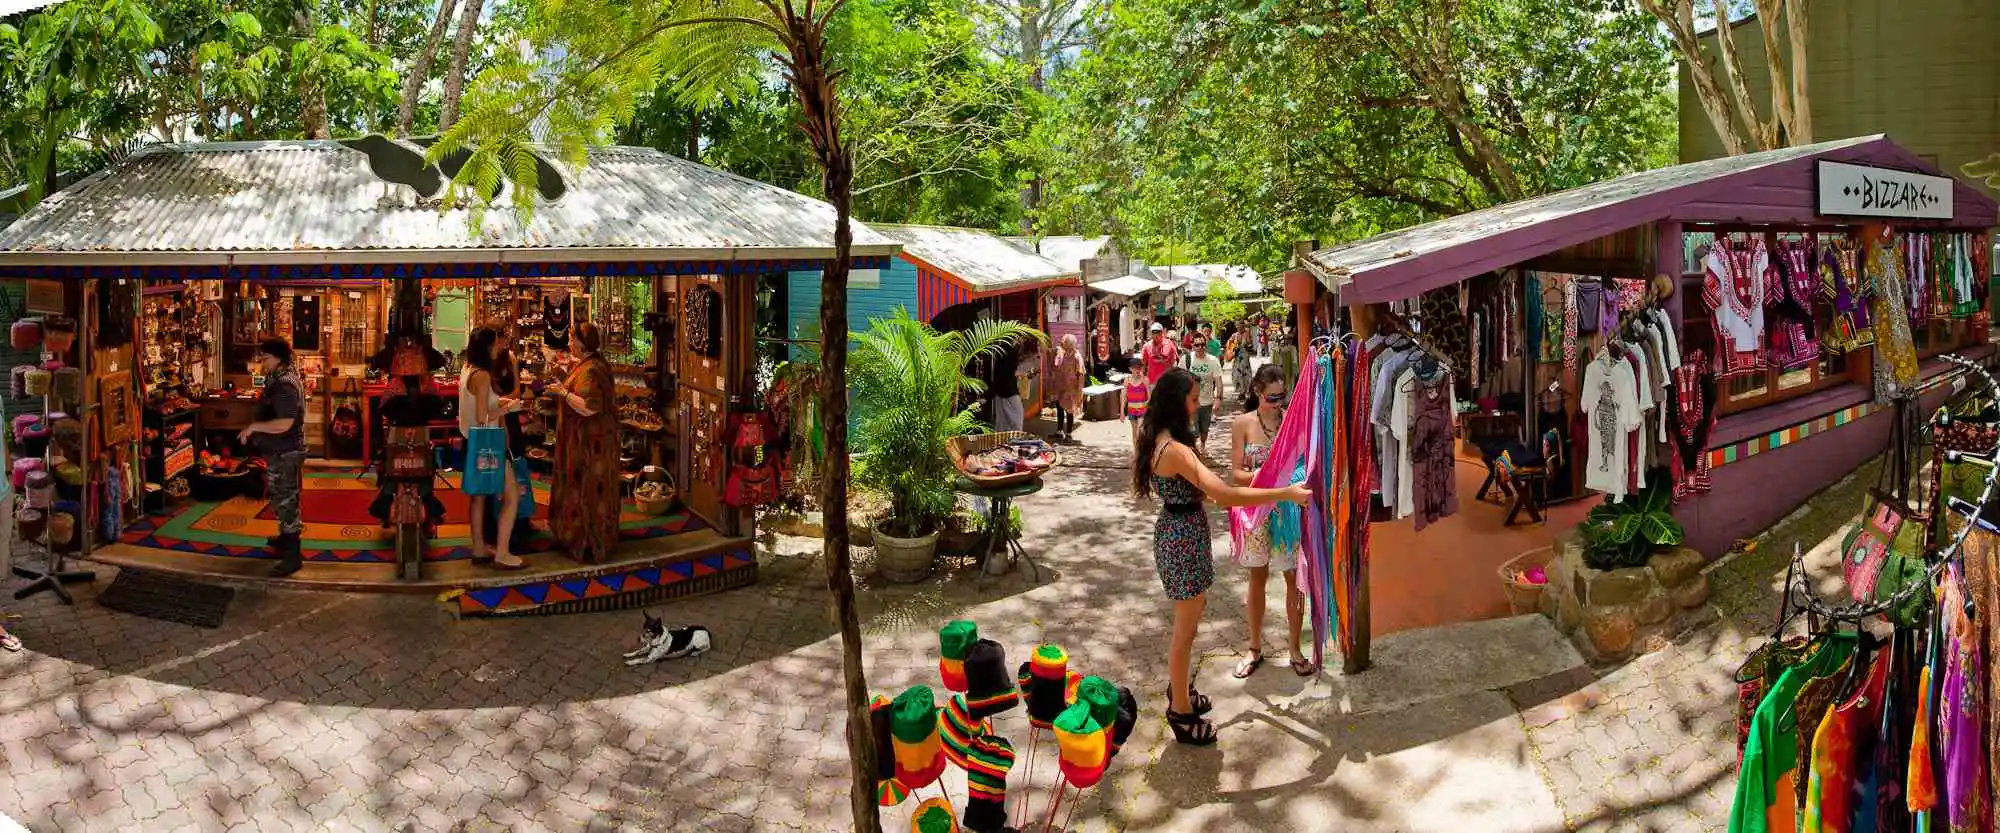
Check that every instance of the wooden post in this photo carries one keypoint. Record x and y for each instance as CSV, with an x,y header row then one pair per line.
x,y
1356,661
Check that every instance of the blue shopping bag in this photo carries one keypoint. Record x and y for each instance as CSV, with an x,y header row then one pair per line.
x,y
485,460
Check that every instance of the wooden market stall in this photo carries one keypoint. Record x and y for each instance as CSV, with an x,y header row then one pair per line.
x,y
1799,400
308,243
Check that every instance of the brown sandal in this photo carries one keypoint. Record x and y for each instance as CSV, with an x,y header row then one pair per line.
x,y
1303,667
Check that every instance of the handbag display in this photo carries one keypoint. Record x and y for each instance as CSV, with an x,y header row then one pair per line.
x,y
1869,546
407,453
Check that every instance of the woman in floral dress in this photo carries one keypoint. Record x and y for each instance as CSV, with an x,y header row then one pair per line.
x,y
1167,466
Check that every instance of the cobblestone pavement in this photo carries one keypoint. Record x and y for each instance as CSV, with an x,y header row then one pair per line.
x,y
353,712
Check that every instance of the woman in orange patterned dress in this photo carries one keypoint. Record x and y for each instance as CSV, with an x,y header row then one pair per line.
x,y
583,500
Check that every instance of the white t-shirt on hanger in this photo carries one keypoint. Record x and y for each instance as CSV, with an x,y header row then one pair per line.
x,y
1611,410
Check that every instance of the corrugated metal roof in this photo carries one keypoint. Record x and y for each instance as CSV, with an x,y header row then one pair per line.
x,y
1128,285
1348,263
985,261
1068,251
317,196
1243,279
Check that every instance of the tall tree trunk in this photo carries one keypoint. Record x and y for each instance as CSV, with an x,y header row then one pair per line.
x,y
313,94
694,134
1795,25
813,83
1725,47
1769,12
1678,17
413,86
461,52
1030,32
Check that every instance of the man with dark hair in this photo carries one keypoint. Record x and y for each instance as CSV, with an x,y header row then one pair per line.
x,y
280,437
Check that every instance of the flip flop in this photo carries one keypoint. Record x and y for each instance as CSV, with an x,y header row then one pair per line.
x,y
9,642
1249,665
519,564
1303,667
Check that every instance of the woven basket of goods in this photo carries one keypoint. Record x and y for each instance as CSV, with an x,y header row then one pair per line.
x,y
653,498
26,334
31,522
1002,458
38,382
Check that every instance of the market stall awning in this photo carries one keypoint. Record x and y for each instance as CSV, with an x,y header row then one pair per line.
x,y
958,265
1126,286
1243,279
1068,251
318,201
1769,187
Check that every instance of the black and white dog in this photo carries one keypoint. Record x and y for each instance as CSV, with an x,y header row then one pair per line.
x,y
658,642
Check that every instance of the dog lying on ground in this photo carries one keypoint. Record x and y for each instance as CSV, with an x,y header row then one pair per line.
x,y
658,642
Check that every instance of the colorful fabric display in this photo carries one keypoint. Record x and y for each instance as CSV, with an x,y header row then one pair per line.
x,y
918,751
1082,744
1045,685
954,640
969,740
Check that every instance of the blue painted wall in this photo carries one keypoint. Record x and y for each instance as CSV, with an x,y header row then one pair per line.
x,y
898,288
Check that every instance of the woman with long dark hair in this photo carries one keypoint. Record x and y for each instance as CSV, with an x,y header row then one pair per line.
x,y
1166,465
480,406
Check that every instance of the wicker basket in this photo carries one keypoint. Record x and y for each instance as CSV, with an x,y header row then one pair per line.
x,y
1524,596
965,446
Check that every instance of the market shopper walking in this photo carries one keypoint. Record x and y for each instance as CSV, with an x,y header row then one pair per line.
x,y
1207,370
1166,466
583,500
1066,382
1250,441
279,436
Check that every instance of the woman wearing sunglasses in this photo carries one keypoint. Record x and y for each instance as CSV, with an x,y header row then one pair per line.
x,y
1250,443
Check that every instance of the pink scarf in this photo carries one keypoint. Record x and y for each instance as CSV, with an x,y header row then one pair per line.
x,y
1296,445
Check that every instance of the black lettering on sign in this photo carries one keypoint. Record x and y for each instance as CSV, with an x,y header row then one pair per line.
x,y
1887,194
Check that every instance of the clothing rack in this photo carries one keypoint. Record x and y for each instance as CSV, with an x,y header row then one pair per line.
x,y
1397,325
1858,611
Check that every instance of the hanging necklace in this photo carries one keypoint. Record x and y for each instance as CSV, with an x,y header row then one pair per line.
x,y
1269,432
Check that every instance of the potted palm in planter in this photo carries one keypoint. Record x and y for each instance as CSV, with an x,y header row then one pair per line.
x,y
909,383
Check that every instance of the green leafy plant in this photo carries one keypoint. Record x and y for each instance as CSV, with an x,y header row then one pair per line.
x,y
908,382
1627,533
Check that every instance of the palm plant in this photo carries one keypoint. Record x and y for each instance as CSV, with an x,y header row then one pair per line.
x,y
910,380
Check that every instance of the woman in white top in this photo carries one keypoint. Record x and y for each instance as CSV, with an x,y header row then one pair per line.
x,y
480,406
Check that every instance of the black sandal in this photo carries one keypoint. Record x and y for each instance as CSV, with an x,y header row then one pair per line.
x,y
1249,665
1191,729
1202,705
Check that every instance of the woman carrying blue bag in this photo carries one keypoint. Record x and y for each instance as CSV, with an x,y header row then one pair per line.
x,y
508,375
488,465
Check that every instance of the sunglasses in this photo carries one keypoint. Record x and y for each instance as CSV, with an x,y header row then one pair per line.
x,y
1274,398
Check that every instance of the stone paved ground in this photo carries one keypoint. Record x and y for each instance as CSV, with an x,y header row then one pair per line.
x,y
349,712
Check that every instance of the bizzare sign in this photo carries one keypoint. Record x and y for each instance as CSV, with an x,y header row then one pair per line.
x,y
1862,191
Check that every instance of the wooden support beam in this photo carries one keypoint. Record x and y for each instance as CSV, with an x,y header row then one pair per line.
x,y
1358,619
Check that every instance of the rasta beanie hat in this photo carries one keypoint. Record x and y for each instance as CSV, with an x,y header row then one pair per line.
x,y
954,640
988,689
918,750
1046,684
1112,707
933,816
1082,745
880,722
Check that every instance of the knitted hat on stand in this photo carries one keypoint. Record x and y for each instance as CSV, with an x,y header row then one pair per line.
x,y
988,689
918,751
1045,685
969,740
934,816
954,640
1112,707
888,792
1082,746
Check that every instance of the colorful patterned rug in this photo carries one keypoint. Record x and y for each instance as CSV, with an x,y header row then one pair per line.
x,y
339,529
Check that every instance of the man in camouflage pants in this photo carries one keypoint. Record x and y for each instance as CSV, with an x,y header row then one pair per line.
x,y
280,437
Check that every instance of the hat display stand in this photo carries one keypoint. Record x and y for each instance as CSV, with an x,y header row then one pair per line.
x,y
54,576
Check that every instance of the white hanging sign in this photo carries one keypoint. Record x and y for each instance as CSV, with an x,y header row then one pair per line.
x,y
1863,191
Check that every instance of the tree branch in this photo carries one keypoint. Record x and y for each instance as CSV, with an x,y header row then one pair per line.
x,y
918,175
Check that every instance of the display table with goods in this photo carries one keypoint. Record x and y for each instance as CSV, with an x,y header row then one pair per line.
x,y
995,469
49,513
